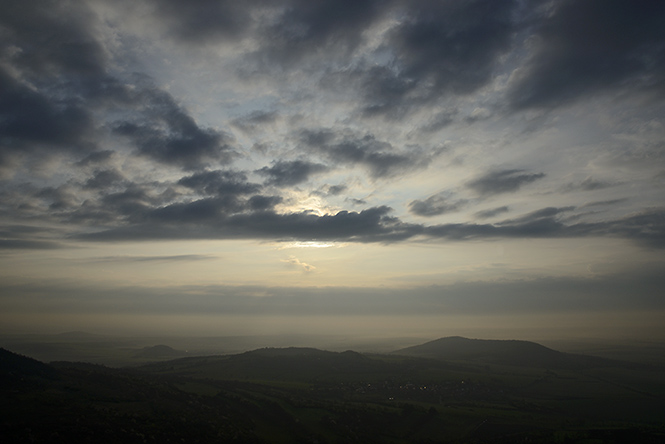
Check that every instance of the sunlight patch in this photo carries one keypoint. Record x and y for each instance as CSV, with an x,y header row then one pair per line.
x,y
312,244
307,244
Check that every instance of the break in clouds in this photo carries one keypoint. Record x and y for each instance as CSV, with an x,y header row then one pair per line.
x,y
401,120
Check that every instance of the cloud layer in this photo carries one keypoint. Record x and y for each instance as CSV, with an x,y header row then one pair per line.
x,y
106,134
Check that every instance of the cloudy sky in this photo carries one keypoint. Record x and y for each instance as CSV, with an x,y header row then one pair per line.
x,y
368,166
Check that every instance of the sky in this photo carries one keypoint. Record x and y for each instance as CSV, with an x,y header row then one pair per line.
x,y
361,167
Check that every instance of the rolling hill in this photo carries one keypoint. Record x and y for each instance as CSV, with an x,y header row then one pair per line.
x,y
503,352
285,395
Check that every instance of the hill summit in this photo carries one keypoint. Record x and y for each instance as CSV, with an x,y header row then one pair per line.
x,y
17,369
503,352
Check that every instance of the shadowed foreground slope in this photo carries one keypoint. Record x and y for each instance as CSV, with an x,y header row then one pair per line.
x,y
307,395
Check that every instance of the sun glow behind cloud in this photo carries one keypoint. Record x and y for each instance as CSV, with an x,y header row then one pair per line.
x,y
387,147
310,244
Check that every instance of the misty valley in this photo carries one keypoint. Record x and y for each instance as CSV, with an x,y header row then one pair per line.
x,y
451,390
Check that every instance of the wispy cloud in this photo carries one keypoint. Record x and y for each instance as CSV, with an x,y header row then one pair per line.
x,y
436,205
292,260
502,181
486,214
588,184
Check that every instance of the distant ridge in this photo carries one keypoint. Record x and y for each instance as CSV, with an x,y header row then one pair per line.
x,y
503,352
291,363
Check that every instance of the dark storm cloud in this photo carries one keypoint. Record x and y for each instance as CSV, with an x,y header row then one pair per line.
x,y
58,198
56,92
439,121
455,44
164,131
255,120
588,184
432,48
438,48
287,30
120,202
387,94
202,20
543,223
370,225
234,210
210,219
59,92
30,119
323,28
50,38
379,157
435,205
96,157
591,46
335,190
283,173
131,216
159,205
219,182
646,227
123,203
543,213
486,214
502,181
263,203
357,202
111,207
331,190
605,203
49,58
200,212
104,179
26,237
132,195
